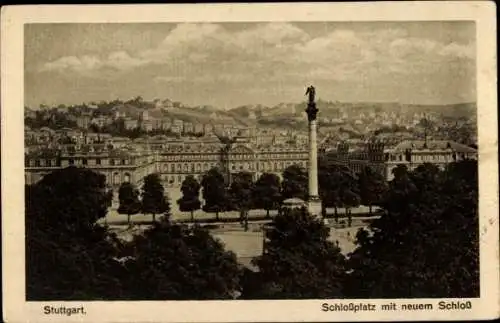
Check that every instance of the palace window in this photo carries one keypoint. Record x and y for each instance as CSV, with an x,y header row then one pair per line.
x,y
116,178
84,161
98,161
71,161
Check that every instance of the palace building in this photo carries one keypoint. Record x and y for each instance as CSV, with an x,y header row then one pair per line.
x,y
118,165
172,159
383,158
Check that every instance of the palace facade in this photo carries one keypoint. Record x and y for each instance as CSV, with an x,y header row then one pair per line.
x,y
172,160
384,158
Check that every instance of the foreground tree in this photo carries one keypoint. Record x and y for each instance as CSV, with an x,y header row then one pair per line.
x,y
64,241
338,187
266,193
154,200
128,196
214,192
372,187
190,200
240,194
294,182
174,262
298,261
426,245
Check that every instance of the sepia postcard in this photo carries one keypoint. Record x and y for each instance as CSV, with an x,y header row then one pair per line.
x,y
271,162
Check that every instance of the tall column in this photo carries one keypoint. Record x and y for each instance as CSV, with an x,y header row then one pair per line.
x,y
313,200
313,160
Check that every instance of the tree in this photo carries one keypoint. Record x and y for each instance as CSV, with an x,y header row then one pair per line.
x,y
240,194
190,200
328,187
401,188
266,192
174,262
337,186
426,243
298,261
350,198
63,239
294,182
214,192
153,196
372,186
128,196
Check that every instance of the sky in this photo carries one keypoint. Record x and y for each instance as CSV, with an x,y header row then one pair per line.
x,y
232,64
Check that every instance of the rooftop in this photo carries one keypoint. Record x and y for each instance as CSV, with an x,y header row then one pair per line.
x,y
433,145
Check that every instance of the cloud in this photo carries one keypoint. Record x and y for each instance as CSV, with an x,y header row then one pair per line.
x,y
77,64
87,64
122,60
276,52
459,51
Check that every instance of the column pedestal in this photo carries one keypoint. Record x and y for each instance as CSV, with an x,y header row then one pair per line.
x,y
314,206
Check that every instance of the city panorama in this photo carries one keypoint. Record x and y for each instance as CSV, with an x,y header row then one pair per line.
x,y
250,161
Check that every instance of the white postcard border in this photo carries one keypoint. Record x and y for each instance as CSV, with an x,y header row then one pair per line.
x,y
13,18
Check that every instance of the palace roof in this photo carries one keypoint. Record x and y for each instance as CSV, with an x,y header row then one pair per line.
x,y
433,145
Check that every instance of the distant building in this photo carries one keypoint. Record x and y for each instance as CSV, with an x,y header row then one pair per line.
x,y
130,123
101,121
146,125
119,114
207,129
166,124
176,128
198,128
188,127
83,122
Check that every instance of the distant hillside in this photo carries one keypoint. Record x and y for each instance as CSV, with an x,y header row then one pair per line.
x,y
335,109
282,115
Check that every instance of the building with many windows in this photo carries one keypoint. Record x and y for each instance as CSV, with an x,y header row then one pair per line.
x,y
410,153
172,159
118,165
413,153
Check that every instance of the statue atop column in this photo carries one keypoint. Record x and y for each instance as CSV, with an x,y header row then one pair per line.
x,y
312,93
311,105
